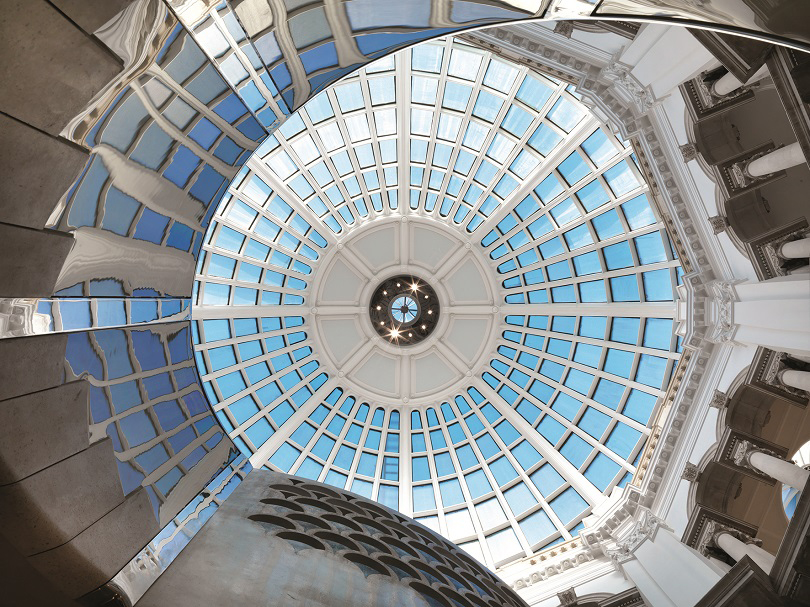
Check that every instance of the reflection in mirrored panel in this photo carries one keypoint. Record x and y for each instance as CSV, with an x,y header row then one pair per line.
x,y
163,151
146,566
788,20
311,47
145,396
20,317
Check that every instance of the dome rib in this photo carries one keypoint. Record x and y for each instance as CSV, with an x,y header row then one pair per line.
x,y
547,401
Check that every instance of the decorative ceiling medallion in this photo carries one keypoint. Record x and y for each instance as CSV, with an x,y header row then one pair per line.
x,y
404,309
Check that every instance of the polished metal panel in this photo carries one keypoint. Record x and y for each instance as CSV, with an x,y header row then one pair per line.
x,y
145,395
163,152
312,544
146,566
307,48
20,317
785,20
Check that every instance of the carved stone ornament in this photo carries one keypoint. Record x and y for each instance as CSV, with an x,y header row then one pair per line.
x,y
719,224
719,400
723,297
621,77
644,529
568,598
688,151
712,530
564,28
742,452
773,375
690,472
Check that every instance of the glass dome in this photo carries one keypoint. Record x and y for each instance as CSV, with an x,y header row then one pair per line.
x,y
532,397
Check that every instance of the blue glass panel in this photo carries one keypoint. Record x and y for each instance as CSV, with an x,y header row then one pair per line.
x,y
450,491
423,498
547,480
639,406
477,483
576,450
622,440
602,471
568,505
537,527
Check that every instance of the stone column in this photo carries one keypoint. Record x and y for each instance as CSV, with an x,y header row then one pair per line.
x,y
776,160
730,83
772,313
796,379
795,249
786,472
667,572
737,549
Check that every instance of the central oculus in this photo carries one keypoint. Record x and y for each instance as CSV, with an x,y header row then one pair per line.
x,y
404,309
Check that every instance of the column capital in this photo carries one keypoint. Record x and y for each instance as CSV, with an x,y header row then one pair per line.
x,y
645,528
743,451
741,176
712,530
774,373
735,533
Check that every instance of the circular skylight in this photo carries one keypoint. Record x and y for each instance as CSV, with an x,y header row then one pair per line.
x,y
404,310
528,225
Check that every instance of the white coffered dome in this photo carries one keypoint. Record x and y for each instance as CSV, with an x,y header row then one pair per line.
x,y
501,195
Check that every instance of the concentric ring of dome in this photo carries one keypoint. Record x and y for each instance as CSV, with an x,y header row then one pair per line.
x,y
551,409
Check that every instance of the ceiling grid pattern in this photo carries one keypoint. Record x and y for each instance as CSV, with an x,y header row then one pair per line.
x,y
531,401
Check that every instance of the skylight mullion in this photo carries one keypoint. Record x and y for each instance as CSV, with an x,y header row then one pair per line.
x,y
546,333
208,312
471,502
466,117
264,357
559,463
262,455
261,169
597,373
273,377
571,142
527,184
636,350
576,280
238,50
234,341
571,425
368,111
265,265
570,253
